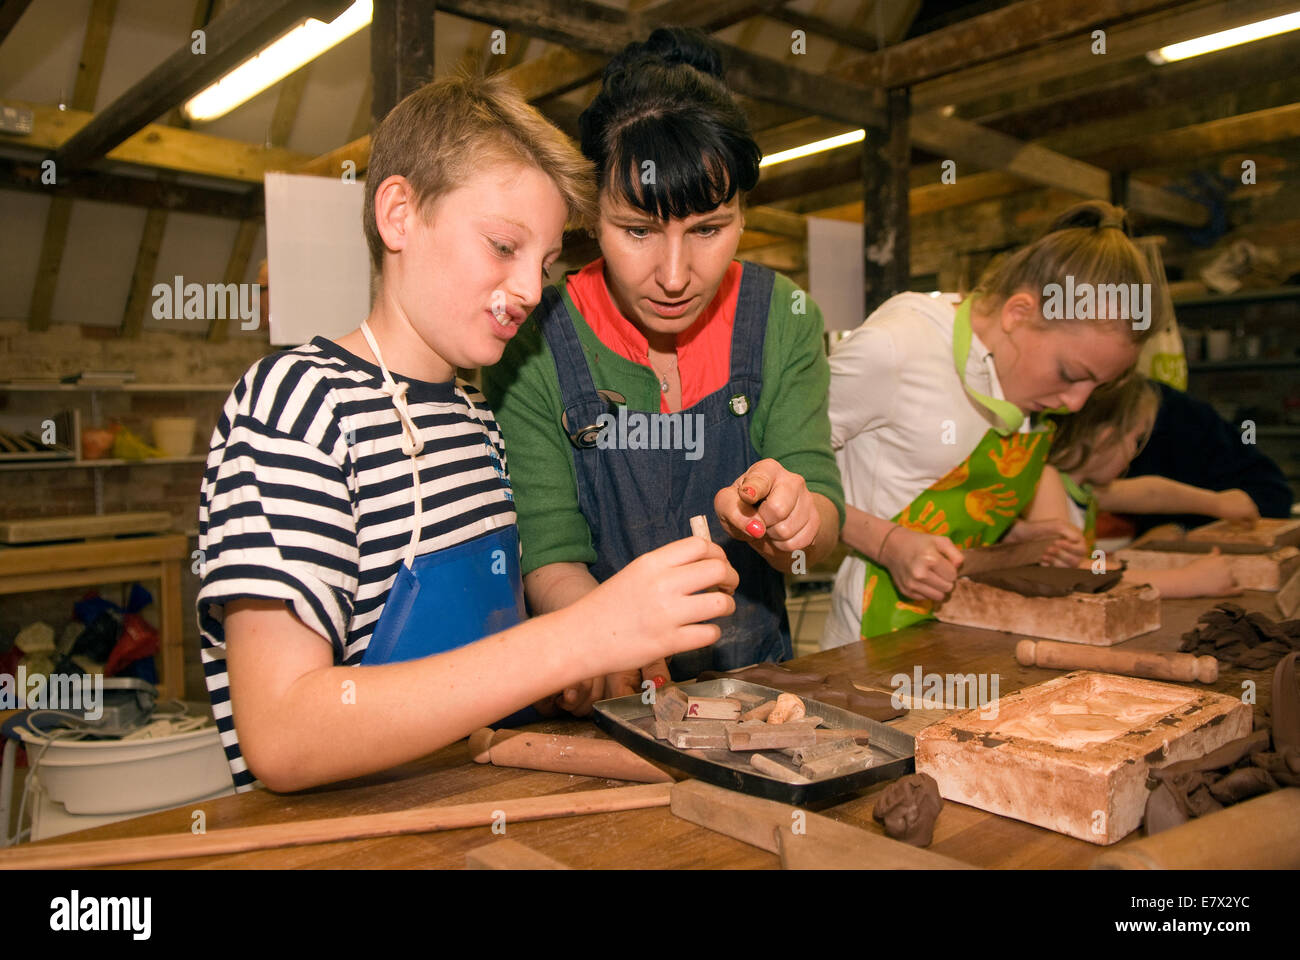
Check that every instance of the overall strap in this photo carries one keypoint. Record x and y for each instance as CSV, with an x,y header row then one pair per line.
x,y
750,326
582,405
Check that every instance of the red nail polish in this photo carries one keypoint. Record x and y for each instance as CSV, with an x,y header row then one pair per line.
x,y
749,493
755,528
658,681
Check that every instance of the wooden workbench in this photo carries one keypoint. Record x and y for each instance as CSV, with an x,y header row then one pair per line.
x,y
654,838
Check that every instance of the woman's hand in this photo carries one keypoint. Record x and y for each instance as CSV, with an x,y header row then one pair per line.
x,y
1236,505
1068,549
769,503
924,566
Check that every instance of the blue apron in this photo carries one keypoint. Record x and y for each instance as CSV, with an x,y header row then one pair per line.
x,y
446,599
635,501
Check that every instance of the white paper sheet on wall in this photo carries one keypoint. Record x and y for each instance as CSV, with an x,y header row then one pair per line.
x,y
317,262
835,271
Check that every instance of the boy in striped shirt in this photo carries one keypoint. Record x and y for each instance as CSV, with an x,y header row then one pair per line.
x,y
345,478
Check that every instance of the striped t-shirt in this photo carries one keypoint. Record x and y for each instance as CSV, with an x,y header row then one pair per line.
x,y
307,498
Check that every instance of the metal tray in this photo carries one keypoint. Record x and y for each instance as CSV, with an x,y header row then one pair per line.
x,y
631,723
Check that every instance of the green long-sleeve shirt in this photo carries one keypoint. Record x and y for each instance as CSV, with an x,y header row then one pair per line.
x,y
790,423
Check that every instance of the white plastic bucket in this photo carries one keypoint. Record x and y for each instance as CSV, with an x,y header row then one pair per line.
x,y
127,776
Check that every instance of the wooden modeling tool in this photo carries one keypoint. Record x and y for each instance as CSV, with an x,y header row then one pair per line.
x,y
175,846
580,756
1152,664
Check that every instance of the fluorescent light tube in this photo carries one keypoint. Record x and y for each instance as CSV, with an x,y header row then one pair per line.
x,y
277,60
1225,38
817,146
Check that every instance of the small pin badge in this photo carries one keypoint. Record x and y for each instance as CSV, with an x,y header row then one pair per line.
x,y
739,404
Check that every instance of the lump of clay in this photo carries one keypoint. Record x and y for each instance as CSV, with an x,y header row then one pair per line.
x,y
1250,640
1036,581
908,808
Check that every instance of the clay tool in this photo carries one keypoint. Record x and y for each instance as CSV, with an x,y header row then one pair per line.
x,y
770,767
712,708
1002,555
829,736
700,527
763,736
819,750
853,759
823,843
760,712
176,846
669,708
580,756
1262,833
510,855
699,735
1152,664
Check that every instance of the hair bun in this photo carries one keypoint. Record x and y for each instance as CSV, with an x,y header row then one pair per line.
x,y
671,45
1092,214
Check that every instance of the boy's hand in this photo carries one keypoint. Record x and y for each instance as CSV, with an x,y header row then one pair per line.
x,y
656,606
1236,505
624,683
1069,548
769,505
924,566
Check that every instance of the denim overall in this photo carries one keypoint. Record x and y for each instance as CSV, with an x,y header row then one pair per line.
x,y
451,597
635,501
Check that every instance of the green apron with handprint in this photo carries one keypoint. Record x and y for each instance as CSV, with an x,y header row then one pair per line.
x,y
973,504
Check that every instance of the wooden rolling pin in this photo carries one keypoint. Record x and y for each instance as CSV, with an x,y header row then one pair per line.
x,y
173,846
1152,664
1262,833
582,756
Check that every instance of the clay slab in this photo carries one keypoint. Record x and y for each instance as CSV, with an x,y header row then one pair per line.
x,y
1099,619
1072,754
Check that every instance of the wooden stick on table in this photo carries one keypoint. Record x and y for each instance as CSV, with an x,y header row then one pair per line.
x,y
99,853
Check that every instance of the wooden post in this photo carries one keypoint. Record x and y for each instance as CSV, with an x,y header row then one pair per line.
x,y
886,236
401,52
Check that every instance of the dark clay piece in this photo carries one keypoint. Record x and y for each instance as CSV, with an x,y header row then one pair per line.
x,y
1250,640
1225,756
1200,801
1286,704
1242,784
908,808
1163,811
1036,581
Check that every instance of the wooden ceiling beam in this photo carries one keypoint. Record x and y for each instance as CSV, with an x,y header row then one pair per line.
x,y
241,252
970,143
11,12
230,38
158,146
1067,58
990,36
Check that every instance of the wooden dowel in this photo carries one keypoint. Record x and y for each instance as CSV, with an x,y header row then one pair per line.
x,y
700,527
100,853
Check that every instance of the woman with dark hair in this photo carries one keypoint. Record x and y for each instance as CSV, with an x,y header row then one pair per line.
x,y
667,379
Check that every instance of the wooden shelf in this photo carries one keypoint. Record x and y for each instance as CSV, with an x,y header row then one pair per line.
x,y
1260,363
107,462
1243,296
119,388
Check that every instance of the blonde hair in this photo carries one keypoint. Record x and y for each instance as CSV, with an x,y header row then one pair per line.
x,y
1090,242
1112,412
438,135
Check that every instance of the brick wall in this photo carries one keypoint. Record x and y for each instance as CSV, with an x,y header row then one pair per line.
x,y
156,357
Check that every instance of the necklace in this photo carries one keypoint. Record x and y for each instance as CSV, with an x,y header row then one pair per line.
x,y
663,377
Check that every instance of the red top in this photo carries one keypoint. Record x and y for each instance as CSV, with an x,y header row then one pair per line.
x,y
703,348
